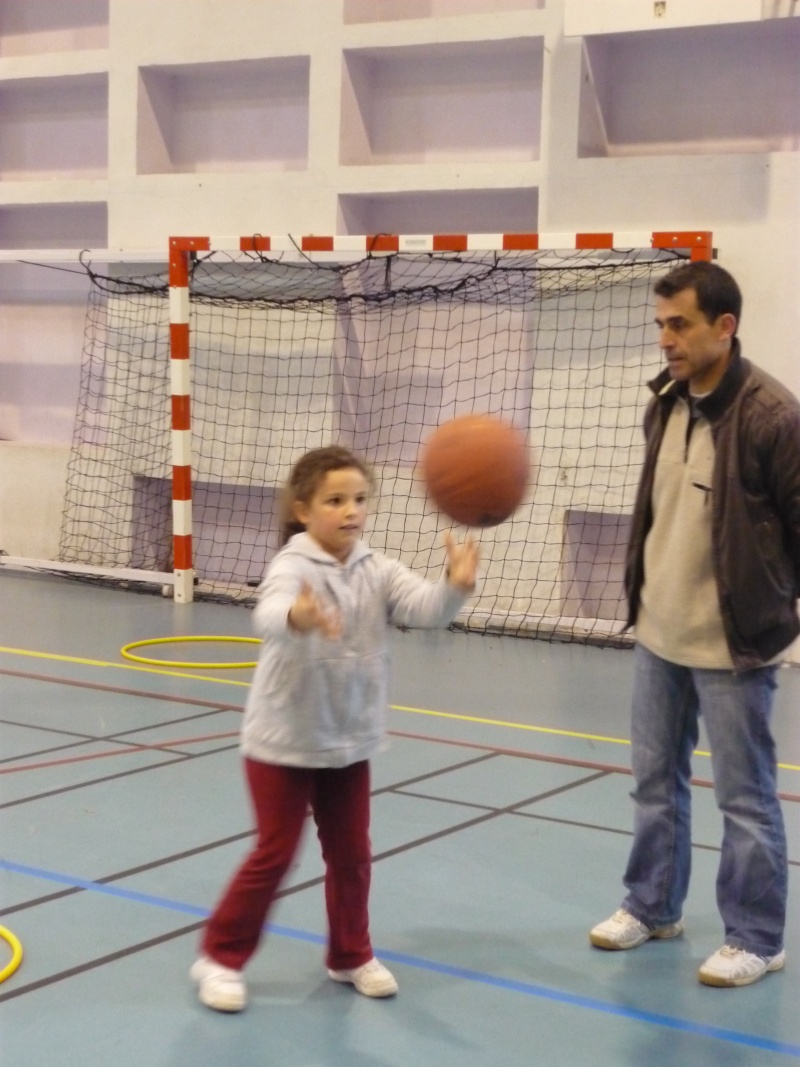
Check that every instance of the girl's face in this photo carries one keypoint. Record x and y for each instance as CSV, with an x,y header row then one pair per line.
x,y
336,513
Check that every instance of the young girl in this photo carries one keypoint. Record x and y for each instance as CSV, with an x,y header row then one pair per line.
x,y
315,715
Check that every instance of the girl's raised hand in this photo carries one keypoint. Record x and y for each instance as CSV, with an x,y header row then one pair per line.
x,y
462,562
309,613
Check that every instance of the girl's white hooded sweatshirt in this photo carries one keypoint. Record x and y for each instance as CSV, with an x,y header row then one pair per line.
x,y
316,702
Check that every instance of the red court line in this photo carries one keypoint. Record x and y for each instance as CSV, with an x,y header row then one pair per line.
x,y
165,745
611,768
215,704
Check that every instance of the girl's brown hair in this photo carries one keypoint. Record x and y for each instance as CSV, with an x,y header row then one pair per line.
x,y
306,477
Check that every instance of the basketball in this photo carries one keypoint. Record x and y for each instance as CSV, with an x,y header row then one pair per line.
x,y
477,469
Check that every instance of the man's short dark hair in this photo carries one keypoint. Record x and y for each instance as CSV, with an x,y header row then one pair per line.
x,y
716,289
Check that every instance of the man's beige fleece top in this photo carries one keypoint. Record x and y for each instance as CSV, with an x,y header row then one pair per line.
x,y
679,618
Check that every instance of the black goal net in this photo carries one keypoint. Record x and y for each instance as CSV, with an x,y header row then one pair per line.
x,y
290,352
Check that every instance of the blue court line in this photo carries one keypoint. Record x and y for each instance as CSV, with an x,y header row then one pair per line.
x,y
685,1026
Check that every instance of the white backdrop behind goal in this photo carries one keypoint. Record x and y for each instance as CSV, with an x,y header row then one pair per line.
x,y
288,354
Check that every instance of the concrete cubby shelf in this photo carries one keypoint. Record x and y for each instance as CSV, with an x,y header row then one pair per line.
x,y
124,123
367,115
54,127
456,101
245,115
431,211
32,27
689,90
55,225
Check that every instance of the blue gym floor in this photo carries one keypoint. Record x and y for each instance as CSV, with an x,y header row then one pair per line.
x,y
501,825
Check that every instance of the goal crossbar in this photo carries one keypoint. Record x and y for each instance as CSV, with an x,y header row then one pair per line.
x,y
695,244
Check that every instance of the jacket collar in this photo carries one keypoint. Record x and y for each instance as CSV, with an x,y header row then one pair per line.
x,y
717,402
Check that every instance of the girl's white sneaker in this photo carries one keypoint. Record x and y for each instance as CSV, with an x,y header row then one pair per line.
x,y
218,987
371,979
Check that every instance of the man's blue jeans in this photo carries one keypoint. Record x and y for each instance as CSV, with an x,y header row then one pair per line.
x,y
753,871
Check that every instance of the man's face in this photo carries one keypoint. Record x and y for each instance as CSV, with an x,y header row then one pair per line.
x,y
697,351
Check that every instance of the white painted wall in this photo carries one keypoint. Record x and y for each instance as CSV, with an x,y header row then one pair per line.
x,y
386,90
32,478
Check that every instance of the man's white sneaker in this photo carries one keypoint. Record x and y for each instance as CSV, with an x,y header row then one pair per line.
x,y
623,930
218,987
730,966
371,978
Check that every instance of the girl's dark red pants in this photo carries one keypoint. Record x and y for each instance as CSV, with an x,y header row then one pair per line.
x,y
339,800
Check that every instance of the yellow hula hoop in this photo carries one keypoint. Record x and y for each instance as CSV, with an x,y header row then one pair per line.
x,y
16,953
126,652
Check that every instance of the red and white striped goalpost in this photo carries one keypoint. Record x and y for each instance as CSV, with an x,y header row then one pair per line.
x,y
181,250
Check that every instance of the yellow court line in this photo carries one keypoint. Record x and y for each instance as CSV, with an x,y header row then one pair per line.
x,y
548,730
119,666
394,707
513,725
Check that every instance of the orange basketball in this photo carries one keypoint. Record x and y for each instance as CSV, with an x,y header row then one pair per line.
x,y
476,469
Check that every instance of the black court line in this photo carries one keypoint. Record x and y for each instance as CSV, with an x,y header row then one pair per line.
x,y
146,769
400,788
116,777
142,946
172,746
567,761
87,739
397,788
231,707
577,824
587,764
220,843
490,749
681,1025
103,688
489,752
131,872
494,813
100,961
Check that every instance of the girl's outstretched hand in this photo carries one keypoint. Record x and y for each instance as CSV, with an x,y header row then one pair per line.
x,y
462,562
309,613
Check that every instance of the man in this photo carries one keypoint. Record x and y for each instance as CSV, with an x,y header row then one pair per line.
x,y
712,577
